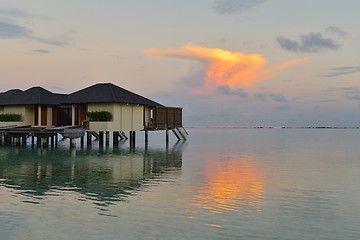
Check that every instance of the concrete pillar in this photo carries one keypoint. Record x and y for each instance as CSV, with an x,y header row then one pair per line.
x,y
72,143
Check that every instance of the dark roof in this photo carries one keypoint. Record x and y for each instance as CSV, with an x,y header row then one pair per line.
x,y
32,96
108,93
5,97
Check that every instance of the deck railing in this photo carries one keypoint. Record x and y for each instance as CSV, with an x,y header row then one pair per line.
x,y
167,117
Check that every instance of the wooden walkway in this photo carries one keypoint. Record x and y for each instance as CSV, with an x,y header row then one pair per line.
x,y
9,135
17,135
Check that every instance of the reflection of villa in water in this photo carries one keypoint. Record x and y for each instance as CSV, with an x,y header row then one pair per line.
x,y
96,176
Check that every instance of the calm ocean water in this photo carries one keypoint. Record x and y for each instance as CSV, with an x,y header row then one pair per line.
x,y
219,184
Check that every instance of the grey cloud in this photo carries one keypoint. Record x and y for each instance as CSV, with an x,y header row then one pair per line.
x,y
42,51
352,93
228,91
13,12
9,30
49,41
261,96
277,97
340,71
234,6
283,107
336,31
311,42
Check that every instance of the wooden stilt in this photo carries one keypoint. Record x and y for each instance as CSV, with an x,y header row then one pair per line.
x,y
167,136
88,140
52,141
132,138
32,141
7,141
45,142
146,136
107,138
24,140
115,138
101,138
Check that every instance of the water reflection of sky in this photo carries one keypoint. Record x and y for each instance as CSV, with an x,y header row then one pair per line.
x,y
98,176
233,184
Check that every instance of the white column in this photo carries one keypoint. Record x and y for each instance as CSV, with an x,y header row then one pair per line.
x,y
39,115
73,115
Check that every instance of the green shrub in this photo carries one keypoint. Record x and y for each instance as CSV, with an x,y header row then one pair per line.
x,y
99,116
10,117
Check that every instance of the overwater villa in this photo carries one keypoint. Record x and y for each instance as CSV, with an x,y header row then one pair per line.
x,y
100,108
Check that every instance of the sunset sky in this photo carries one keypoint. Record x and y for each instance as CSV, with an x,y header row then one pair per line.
x,y
226,62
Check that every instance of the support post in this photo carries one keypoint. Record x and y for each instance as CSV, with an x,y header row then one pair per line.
x,y
38,141
107,138
101,138
115,138
56,140
17,141
82,142
45,142
88,140
7,140
32,141
72,143
132,138
24,140
146,136
167,136
52,141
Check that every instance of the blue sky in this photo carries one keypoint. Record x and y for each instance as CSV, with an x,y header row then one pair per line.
x,y
195,54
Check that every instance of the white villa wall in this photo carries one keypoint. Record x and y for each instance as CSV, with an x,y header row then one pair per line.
x,y
29,115
26,113
125,117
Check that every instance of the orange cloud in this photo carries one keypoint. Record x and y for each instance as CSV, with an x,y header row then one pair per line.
x,y
233,69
